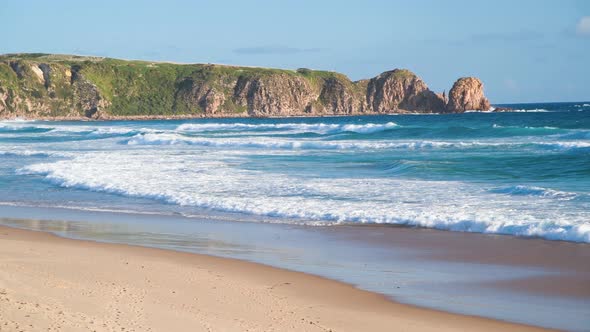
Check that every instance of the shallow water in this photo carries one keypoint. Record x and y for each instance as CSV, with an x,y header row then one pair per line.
x,y
281,192
377,259
525,173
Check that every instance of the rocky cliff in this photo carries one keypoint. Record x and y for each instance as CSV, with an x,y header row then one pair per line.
x,y
61,86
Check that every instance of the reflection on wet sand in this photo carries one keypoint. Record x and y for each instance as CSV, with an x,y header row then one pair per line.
x,y
451,271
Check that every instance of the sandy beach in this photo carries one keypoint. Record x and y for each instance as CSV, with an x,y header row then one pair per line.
x,y
48,283
277,175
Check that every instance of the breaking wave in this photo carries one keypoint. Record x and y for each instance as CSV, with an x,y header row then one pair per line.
x,y
28,153
176,139
264,143
363,201
521,190
500,173
320,128
538,110
35,127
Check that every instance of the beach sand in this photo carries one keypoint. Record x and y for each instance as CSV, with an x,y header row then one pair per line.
x,y
48,283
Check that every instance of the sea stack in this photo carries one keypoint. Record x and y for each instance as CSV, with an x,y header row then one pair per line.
x,y
467,94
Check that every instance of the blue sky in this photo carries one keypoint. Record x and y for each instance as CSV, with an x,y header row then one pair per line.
x,y
524,51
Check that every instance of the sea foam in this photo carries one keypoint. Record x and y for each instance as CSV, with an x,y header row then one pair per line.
x,y
321,128
521,190
301,144
419,171
29,153
266,143
536,110
215,184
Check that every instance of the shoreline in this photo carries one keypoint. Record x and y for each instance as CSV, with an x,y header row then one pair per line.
x,y
525,281
285,300
497,109
340,225
228,116
87,182
201,116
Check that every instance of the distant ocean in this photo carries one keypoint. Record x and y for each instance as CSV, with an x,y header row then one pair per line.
x,y
521,173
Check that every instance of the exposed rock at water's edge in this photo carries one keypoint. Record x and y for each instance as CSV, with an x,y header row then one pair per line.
x,y
467,94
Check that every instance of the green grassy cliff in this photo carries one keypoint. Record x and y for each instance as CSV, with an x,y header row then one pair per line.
x,y
67,86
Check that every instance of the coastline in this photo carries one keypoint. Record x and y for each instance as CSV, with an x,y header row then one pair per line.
x,y
499,108
48,281
84,86
210,116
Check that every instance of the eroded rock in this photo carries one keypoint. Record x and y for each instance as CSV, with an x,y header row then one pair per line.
x,y
274,95
467,94
401,90
87,95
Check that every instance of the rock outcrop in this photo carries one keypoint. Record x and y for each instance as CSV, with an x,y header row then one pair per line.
x,y
87,95
338,97
400,90
3,97
278,94
198,97
467,94
58,86
46,70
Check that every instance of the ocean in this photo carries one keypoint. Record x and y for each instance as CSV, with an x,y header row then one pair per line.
x,y
522,173
357,199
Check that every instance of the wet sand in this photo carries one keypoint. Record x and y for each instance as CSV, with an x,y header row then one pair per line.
x,y
52,283
568,262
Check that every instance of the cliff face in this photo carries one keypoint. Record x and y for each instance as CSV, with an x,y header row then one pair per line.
x,y
87,97
59,86
274,95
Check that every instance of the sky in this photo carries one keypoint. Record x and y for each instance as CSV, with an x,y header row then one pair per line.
x,y
523,50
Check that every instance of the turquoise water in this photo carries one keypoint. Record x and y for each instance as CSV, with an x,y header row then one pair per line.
x,y
522,173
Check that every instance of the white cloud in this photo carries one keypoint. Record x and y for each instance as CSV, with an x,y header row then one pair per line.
x,y
583,27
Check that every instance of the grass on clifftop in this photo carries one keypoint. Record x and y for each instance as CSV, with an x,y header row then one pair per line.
x,y
135,87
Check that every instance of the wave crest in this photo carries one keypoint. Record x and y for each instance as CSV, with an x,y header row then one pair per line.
x,y
29,153
265,143
415,203
521,190
320,128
